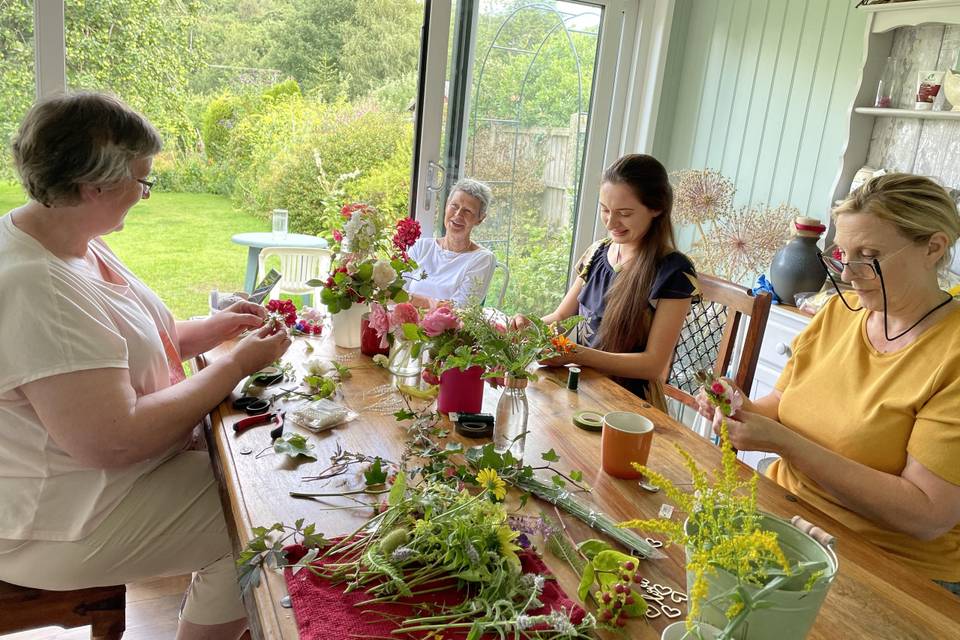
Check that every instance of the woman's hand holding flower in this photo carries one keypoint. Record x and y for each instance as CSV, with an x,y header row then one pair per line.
x,y
753,432
234,320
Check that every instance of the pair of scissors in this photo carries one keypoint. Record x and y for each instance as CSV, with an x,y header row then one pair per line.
x,y
264,418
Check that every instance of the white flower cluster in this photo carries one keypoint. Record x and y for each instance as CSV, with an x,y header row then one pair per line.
x,y
359,233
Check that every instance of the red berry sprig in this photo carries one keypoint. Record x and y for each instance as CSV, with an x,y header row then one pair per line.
x,y
611,603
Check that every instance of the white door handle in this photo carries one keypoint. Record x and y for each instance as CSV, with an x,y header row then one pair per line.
x,y
783,349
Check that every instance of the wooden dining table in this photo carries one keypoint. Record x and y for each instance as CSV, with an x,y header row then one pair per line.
x,y
873,596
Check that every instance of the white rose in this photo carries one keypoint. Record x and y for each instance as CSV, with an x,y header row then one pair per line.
x,y
383,273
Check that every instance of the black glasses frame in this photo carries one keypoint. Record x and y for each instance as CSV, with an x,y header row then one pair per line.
x,y
875,263
147,183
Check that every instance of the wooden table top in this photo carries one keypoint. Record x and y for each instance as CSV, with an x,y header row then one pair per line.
x,y
872,597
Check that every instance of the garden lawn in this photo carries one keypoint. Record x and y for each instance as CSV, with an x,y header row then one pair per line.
x,y
177,243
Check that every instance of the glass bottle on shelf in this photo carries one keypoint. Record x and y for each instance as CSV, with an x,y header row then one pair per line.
x,y
510,426
885,88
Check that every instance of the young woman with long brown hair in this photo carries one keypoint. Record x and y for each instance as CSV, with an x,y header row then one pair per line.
x,y
634,288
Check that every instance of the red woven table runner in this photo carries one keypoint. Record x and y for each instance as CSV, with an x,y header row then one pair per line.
x,y
324,612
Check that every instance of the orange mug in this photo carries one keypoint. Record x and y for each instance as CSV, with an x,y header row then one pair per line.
x,y
626,438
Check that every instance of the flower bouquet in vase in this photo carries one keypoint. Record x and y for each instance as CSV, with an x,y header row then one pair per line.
x,y
511,352
750,574
456,362
369,266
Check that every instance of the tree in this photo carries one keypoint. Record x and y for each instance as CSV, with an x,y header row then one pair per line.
x,y
16,72
308,43
143,52
380,43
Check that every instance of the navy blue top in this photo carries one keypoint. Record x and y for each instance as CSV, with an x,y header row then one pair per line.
x,y
671,282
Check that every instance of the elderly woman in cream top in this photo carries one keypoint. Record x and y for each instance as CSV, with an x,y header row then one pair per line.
x,y
458,269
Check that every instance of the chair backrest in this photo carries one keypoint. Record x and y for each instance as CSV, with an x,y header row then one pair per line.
x,y
708,338
297,266
504,284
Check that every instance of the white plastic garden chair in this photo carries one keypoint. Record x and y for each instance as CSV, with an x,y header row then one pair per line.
x,y
297,267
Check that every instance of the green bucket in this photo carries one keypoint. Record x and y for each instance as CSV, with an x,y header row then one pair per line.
x,y
790,611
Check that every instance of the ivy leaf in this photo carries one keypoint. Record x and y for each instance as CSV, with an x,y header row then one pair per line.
x,y
559,482
375,474
404,414
576,476
294,444
550,456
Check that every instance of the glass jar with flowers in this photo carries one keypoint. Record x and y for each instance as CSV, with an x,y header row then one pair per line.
x,y
512,350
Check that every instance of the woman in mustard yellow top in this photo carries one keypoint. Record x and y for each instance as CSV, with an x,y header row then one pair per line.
x,y
866,415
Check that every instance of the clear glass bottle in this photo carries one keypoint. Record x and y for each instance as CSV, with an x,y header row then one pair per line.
x,y
885,88
510,427
402,363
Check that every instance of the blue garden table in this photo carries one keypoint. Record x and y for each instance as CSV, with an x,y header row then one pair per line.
x,y
260,239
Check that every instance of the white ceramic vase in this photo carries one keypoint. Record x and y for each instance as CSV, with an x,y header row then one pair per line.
x,y
346,326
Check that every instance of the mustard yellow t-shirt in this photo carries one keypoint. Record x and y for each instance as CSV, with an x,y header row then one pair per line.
x,y
875,408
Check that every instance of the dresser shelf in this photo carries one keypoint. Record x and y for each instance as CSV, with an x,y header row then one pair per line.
x,y
908,113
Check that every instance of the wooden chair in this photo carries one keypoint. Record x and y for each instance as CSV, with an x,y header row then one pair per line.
x,y
708,339
103,608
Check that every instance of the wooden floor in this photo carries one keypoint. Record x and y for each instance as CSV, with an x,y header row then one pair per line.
x,y
152,608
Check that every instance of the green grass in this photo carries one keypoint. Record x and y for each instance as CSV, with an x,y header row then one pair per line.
x,y
177,243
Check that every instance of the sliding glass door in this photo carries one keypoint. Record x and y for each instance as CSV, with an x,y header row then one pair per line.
x,y
526,93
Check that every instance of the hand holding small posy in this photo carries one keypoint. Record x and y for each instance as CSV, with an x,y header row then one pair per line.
x,y
717,393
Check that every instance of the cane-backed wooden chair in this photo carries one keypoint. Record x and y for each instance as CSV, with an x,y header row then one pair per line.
x,y
708,339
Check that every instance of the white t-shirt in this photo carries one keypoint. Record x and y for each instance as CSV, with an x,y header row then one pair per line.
x,y
57,319
460,277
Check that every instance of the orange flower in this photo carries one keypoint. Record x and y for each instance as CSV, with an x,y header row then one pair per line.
x,y
563,344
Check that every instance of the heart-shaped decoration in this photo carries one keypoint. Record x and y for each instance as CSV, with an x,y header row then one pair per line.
x,y
652,612
670,612
652,597
662,590
678,597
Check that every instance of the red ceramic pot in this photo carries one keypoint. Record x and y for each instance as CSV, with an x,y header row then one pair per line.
x,y
369,341
461,391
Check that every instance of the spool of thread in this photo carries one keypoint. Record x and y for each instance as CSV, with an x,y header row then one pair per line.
x,y
573,378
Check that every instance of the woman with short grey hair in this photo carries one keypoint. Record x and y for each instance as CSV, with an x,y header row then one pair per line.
x,y
95,411
457,269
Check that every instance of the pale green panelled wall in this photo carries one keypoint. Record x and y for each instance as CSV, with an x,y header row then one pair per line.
x,y
761,91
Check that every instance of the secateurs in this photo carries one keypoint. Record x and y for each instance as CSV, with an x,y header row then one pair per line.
x,y
264,418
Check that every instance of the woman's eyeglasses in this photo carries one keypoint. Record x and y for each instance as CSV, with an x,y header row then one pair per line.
x,y
147,183
858,269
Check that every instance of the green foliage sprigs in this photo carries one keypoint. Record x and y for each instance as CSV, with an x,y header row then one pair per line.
x,y
265,549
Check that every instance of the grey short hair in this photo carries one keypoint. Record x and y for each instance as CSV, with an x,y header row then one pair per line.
x,y
79,138
478,190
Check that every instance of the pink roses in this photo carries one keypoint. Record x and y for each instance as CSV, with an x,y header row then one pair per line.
x,y
439,320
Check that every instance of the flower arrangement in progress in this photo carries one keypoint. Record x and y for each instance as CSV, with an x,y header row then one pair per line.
x,y
371,260
735,563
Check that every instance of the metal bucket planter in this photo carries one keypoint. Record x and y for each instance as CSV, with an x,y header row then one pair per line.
x,y
790,611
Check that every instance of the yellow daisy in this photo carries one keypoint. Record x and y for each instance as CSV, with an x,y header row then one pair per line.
x,y
490,481
506,536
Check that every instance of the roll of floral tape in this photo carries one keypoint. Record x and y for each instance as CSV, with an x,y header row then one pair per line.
x,y
588,420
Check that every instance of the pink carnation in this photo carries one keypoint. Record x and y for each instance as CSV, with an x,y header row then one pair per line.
x,y
402,314
439,320
380,322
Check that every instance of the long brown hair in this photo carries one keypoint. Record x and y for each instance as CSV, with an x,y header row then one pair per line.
x,y
627,319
